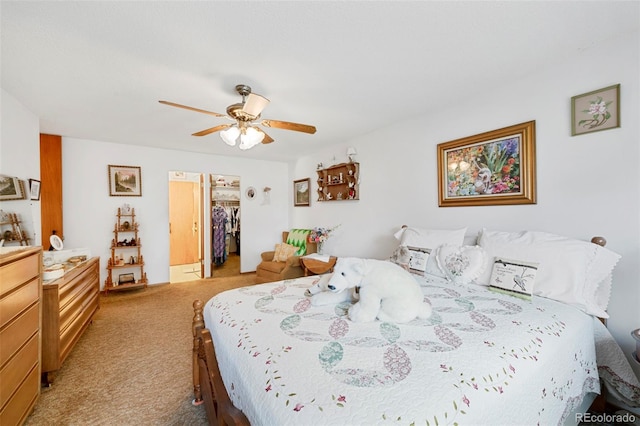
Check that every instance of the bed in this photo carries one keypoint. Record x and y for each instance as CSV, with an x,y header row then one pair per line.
x,y
483,357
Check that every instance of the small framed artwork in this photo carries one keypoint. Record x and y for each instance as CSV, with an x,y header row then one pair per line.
x,y
126,279
34,189
251,193
594,111
301,192
491,168
125,181
11,188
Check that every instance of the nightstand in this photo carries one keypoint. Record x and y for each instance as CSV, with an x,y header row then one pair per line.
x,y
314,266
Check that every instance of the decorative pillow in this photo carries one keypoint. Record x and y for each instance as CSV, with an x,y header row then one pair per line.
x,y
418,260
283,252
460,264
298,238
427,240
570,271
513,277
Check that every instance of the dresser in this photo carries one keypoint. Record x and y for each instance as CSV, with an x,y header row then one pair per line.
x,y
20,296
68,306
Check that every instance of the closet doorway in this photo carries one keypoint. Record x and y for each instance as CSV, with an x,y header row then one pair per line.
x,y
225,225
186,260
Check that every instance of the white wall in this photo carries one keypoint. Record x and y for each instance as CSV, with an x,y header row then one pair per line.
x,y
20,157
586,185
89,211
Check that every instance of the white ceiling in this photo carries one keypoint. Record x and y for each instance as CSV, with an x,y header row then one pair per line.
x,y
96,69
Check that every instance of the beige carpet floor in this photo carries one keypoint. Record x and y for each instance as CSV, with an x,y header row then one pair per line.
x,y
133,364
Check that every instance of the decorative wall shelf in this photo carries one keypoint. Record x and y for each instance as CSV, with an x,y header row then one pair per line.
x,y
339,183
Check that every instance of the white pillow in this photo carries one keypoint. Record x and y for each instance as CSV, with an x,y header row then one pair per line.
x,y
430,239
571,271
461,264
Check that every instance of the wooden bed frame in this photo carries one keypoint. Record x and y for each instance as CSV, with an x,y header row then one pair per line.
x,y
209,389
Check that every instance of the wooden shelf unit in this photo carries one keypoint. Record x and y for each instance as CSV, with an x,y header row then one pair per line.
x,y
11,230
125,254
339,183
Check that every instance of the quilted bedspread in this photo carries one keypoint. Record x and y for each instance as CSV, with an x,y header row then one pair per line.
x,y
481,358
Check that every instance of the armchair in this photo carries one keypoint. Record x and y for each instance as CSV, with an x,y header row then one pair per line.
x,y
271,270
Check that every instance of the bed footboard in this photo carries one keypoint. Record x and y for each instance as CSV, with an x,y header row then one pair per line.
x,y
208,388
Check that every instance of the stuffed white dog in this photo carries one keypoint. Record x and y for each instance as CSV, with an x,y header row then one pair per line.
x,y
320,294
387,291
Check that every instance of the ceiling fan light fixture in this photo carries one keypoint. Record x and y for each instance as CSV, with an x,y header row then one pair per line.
x,y
250,137
230,135
255,104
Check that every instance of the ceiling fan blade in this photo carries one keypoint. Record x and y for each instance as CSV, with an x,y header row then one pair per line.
x,y
212,130
215,114
305,128
267,138
255,104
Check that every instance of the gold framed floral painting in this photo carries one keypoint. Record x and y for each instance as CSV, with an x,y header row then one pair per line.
x,y
491,168
595,111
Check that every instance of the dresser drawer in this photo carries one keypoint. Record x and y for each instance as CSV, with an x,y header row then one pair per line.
x,y
71,334
72,309
16,301
16,333
21,403
17,273
70,289
18,368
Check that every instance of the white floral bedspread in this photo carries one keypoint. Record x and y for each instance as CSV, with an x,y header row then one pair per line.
x,y
482,358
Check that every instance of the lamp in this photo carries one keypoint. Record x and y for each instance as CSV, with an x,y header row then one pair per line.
x,y
249,136
230,135
351,151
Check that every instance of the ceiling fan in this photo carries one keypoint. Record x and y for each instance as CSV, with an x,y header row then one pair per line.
x,y
245,114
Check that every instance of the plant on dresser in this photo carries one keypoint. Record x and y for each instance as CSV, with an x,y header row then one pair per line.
x,y
339,183
126,256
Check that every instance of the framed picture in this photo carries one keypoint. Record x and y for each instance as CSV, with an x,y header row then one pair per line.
x,y
126,278
492,168
594,111
11,188
34,189
251,193
301,192
125,181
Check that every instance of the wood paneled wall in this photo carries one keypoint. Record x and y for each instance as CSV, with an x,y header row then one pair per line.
x,y
51,187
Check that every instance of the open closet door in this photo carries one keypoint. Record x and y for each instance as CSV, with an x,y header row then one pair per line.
x,y
225,225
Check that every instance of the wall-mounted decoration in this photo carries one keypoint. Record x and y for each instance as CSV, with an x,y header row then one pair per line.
x,y
594,111
125,181
339,183
491,168
301,192
34,189
251,193
11,188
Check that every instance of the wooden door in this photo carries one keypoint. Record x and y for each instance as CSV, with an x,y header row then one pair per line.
x,y
184,222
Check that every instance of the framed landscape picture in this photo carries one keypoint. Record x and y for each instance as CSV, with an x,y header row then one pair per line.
x,y
11,188
491,168
125,181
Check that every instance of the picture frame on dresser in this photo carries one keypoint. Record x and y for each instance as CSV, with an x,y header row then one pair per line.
x,y
491,168
125,181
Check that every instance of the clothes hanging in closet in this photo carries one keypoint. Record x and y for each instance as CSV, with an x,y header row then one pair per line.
x,y
219,249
